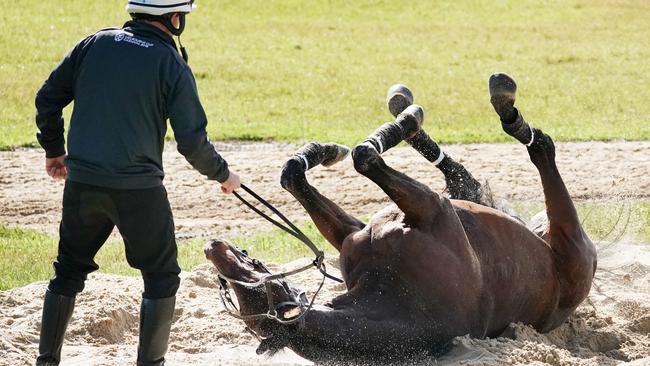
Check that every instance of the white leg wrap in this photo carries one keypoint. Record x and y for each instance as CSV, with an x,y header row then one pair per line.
x,y
305,160
440,157
532,136
381,146
370,144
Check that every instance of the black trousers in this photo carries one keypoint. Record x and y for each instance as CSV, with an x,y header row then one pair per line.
x,y
145,221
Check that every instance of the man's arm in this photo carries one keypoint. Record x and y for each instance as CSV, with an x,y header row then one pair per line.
x,y
55,94
188,120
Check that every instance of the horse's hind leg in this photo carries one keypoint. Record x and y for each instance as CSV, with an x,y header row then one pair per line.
x,y
574,251
334,223
461,184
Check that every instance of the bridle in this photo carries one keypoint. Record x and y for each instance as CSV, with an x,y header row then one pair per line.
x,y
300,300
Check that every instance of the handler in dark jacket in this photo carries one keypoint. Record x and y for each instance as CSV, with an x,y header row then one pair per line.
x,y
125,84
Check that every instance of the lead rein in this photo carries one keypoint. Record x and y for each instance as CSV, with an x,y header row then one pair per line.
x,y
292,229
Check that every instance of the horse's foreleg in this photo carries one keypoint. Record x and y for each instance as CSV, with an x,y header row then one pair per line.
x,y
334,223
415,199
574,251
460,183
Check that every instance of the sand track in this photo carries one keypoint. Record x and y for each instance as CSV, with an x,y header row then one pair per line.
x,y
611,328
592,170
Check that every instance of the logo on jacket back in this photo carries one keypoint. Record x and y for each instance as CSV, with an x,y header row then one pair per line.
x,y
123,37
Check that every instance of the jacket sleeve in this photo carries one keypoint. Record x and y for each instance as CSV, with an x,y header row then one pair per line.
x,y
55,94
188,120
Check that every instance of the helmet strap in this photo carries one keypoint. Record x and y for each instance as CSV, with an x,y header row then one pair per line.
x,y
167,22
183,51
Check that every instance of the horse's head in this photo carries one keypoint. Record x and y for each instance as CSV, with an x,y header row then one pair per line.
x,y
234,263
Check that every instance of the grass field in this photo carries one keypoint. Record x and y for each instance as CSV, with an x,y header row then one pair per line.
x,y
294,70
28,255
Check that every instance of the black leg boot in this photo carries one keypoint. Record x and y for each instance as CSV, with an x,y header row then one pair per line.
x,y
155,324
57,311
502,96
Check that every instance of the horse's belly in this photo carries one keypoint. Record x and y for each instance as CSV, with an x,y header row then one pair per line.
x,y
527,298
518,272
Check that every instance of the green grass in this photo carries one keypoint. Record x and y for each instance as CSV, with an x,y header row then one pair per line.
x,y
625,221
605,221
27,255
295,70
273,247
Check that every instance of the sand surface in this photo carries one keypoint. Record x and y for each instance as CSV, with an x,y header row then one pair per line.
x,y
612,171
610,328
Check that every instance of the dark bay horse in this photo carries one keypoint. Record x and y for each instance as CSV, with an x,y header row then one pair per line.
x,y
427,268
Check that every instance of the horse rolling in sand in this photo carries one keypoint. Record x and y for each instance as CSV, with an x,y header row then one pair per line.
x,y
427,268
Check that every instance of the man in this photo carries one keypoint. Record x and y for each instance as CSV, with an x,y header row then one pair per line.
x,y
125,84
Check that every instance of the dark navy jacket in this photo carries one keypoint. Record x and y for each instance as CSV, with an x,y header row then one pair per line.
x,y
125,84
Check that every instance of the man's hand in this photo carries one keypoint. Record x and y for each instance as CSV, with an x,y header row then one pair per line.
x,y
231,183
55,167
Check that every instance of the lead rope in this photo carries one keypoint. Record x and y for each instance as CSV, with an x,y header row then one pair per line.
x,y
272,313
292,229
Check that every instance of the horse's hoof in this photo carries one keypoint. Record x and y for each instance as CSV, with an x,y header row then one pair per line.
x,y
502,95
398,98
364,156
291,172
410,120
334,153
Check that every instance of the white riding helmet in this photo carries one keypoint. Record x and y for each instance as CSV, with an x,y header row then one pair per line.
x,y
160,7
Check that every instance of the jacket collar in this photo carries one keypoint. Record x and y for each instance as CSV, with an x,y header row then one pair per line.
x,y
146,29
